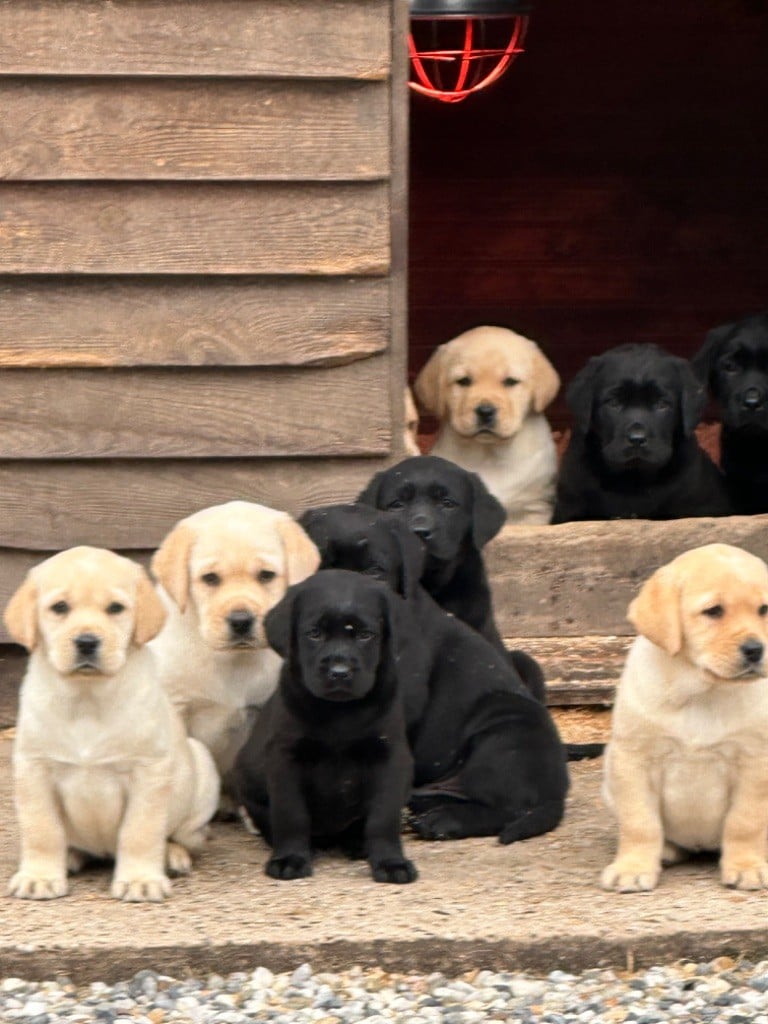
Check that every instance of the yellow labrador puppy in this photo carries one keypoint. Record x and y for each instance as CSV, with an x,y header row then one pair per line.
x,y
221,570
489,388
687,764
102,765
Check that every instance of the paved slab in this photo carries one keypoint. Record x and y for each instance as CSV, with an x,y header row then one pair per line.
x,y
533,905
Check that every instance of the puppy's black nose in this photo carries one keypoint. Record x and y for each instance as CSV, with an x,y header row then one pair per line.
x,y
241,622
87,644
637,435
486,414
338,672
422,527
752,651
752,398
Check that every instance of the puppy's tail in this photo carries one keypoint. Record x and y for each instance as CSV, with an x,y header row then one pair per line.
x,y
534,822
584,751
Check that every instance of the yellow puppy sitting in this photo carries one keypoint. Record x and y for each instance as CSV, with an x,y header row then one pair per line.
x,y
221,570
102,765
687,764
489,388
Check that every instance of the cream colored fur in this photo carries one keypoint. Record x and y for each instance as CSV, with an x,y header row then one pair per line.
x,y
686,768
216,686
102,765
516,459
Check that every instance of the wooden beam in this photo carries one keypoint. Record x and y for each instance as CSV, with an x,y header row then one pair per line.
x,y
282,39
74,414
194,228
207,321
92,129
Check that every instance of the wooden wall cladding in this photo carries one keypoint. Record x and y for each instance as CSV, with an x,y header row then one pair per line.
x,y
272,38
609,188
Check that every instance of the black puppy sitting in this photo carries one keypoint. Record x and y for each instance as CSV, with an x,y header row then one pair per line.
x,y
455,515
633,452
734,363
487,756
327,762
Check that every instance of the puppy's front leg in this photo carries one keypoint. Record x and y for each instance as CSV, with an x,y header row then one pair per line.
x,y
641,837
743,864
291,825
140,860
42,873
382,827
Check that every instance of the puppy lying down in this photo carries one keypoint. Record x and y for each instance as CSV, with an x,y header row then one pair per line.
x,y
687,764
102,765
328,762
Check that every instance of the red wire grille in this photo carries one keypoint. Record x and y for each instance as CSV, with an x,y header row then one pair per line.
x,y
451,58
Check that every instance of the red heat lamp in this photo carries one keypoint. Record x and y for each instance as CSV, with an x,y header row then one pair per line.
x,y
458,47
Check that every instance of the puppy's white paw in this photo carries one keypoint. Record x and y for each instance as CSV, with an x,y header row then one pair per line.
x,y
75,861
672,854
141,890
34,887
745,874
630,876
177,859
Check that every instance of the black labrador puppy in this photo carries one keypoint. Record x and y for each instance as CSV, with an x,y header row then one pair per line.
x,y
633,452
455,515
487,756
734,363
328,762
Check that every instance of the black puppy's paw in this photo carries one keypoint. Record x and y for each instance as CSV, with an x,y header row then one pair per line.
x,y
399,871
293,865
437,823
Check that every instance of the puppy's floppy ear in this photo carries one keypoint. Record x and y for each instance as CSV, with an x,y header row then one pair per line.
x,y
655,612
703,362
581,394
430,384
170,564
150,613
544,380
370,493
693,396
301,556
278,622
21,615
314,522
488,515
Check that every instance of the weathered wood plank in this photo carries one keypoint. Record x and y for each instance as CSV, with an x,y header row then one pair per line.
x,y
66,129
166,413
283,39
577,579
194,228
13,663
178,322
50,505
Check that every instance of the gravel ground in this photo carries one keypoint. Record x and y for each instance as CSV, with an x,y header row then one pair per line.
x,y
723,990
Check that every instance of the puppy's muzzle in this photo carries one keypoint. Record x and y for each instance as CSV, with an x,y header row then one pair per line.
x,y
339,676
87,651
241,623
752,652
485,413
422,525
637,435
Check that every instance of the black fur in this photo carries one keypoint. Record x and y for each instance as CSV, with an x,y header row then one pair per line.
x,y
633,452
327,762
487,756
734,363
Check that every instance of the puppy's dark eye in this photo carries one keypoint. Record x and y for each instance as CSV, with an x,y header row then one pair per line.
x,y
60,608
365,634
729,365
211,579
763,609
509,382
662,404
447,502
715,612
314,634
397,503
115,608
266,576
464,382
